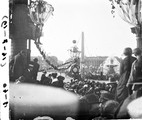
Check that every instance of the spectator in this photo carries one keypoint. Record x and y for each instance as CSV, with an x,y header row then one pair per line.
x,y
28,75
125,68
59,83
35,68
43,78
136,71
54,77
49,79
19,65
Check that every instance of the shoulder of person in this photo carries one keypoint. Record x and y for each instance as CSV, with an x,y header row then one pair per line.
x,y
125,59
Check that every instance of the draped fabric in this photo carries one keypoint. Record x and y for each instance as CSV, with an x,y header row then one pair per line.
x,y
130,11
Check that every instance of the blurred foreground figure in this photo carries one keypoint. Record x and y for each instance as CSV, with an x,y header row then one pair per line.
x,y
135,109
125,110
48,101
18,66
38,102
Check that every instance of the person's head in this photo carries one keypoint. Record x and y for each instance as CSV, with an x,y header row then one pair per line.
x,y
54,75
137,51
60,78
109,108
23,53
35,60
127,51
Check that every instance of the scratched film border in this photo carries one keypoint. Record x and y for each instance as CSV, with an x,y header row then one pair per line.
x,y
4,60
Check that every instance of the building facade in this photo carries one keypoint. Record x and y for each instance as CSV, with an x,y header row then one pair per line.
x,y
102,64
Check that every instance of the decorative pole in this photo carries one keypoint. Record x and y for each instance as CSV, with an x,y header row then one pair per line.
x,y
82,56
130,11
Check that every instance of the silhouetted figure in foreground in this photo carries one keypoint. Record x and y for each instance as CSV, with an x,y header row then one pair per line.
x,y
18,65
122,111
125,69
136,71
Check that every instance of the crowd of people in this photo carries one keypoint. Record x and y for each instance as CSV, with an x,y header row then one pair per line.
x,y
97,99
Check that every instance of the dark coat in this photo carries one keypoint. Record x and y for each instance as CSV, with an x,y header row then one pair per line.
x,y
136,74
35,70
59,84
125,69
136,71
43,78
19,65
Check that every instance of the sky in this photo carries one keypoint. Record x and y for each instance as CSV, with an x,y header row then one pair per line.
x,y
103,34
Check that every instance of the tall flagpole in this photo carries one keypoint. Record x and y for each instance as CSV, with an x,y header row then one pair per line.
x,y
82,56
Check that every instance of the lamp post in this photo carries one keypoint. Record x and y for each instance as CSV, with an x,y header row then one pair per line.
x,y
130,11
